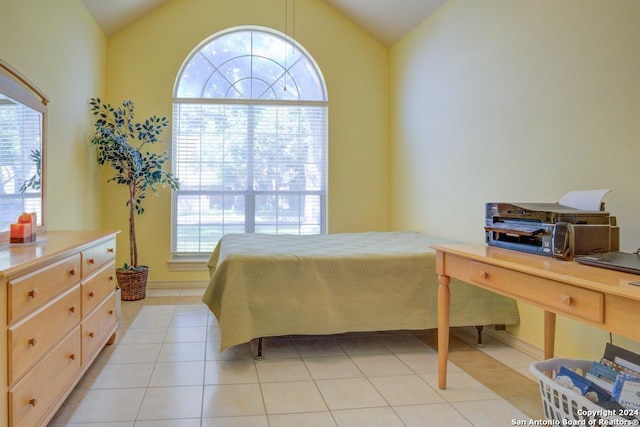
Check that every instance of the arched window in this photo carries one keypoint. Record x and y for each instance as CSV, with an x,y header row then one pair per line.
x,y
250,140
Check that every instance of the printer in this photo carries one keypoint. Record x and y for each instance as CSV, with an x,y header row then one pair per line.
x,y
550,229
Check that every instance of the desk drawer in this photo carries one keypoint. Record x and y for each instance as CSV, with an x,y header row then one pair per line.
x,y
30,292
32,398
30,339
95,257
552,296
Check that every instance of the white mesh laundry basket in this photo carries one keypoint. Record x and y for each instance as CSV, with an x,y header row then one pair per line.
x,y
560,403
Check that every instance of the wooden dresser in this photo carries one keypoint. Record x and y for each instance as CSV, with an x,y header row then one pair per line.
x,y
58,302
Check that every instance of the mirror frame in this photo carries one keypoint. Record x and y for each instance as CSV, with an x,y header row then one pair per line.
x,y
16,86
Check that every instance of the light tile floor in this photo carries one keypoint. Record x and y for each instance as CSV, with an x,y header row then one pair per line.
x,y
165,369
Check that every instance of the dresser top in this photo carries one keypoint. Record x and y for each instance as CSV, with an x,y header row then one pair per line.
x,y
49,247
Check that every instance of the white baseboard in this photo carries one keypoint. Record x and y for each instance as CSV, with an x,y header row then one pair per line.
x,y
195,284
516,342
470,335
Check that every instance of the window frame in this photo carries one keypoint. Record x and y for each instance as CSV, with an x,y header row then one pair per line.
x,y
20,89
182,260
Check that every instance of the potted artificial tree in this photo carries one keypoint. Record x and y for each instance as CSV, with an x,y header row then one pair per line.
x,y
120,142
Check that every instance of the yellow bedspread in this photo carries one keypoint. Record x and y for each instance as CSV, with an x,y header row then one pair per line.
x,y
273,285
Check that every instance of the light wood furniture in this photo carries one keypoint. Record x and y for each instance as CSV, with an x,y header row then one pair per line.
x,y
59,305
595,296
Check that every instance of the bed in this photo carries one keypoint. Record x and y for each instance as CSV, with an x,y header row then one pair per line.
x,y
275,285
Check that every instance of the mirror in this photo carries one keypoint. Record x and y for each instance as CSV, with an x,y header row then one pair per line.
x,y
23,114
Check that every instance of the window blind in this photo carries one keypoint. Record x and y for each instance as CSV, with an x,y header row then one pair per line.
x,y
247,167
20,157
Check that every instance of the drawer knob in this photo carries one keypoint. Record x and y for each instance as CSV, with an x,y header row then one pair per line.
x,y
91,261
33,401
33,341
110,250
72,272
72,309
111,278
484,275
91,334
566,299
33,293
111,312
92,294
72,356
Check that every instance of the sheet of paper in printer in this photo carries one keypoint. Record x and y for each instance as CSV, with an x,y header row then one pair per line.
x,y
587,200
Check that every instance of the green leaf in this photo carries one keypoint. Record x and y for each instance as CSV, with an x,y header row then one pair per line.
x,y
119,141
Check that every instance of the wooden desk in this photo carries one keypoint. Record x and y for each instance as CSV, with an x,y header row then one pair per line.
x,y
594,296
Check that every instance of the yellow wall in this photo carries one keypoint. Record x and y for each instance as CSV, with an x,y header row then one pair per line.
x,y
525,100
142,64
491,101
59,47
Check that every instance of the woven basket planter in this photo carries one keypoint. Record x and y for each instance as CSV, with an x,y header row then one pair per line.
x,y
133,283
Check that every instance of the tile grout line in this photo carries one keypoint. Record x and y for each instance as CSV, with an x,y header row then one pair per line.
x,y
210,322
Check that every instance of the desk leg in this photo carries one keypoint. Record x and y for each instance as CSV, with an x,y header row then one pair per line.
x,y
444,299
549,334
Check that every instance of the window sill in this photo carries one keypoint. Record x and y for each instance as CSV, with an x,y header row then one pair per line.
x,y
191,263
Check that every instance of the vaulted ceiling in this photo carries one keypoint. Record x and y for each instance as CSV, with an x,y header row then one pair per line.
x,y
387,20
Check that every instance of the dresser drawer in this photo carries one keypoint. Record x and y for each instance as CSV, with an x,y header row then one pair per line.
x,y
30,339
97,287
28,293
95,257
34,396
553,296
97,325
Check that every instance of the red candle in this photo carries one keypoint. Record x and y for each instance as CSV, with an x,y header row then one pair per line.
x,y
20,233
25,218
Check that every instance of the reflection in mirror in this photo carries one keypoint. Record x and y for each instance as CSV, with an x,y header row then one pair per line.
x,y
22,146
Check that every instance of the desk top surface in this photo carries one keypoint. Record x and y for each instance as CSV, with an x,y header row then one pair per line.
x,y
570,272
